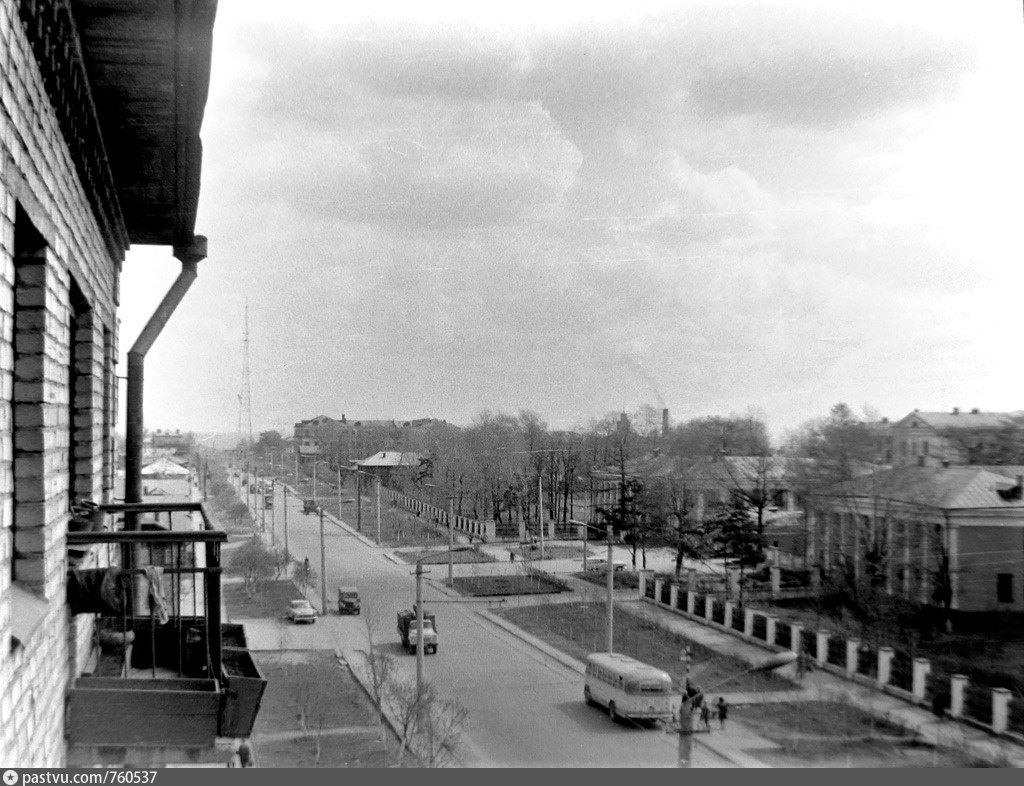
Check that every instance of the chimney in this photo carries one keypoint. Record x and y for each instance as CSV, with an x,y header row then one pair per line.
x,y
956,410
664,422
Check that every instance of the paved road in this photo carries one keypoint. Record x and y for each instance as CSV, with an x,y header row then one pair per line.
x,y
525,708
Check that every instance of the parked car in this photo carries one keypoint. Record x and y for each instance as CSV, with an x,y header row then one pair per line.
x,y
301,611
601,564
348,600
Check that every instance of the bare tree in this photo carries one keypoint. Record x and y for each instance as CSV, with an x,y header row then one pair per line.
x,y
383,671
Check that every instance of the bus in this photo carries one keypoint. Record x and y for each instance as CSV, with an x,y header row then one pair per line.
x,y
628,687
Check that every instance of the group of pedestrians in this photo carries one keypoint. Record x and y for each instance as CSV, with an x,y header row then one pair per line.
x,y
707,711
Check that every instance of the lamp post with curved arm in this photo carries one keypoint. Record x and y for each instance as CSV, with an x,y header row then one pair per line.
x,y
685,750
609,579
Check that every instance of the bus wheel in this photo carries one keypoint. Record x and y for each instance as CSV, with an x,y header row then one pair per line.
x,y
611,711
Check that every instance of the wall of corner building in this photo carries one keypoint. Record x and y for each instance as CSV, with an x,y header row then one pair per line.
x,y
983,552
38,177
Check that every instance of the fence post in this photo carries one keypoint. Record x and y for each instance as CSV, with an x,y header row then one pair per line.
x,y
884,665
852,650
821,647
796,637
1000,705
769,633
642,578
776,576
691,579
748,622
709,607
957,684
727,619
658,584
691,601
922,668
673,595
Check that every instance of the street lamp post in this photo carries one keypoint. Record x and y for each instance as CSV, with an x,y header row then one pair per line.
x,y
284,510
685,750
323,565
609,579
419,620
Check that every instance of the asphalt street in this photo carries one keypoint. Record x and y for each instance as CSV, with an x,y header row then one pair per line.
x,y
525,708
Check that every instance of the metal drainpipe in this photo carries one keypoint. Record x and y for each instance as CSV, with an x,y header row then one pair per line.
x,y
190,257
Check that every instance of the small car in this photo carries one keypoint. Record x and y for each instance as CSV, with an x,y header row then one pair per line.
x,y
301,611
602,564
348,600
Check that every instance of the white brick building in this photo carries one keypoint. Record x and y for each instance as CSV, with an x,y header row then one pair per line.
x,y
93,97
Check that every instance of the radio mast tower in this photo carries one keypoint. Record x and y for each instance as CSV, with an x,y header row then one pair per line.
x,y
245,399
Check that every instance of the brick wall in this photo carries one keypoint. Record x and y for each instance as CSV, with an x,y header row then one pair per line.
x,y
58,339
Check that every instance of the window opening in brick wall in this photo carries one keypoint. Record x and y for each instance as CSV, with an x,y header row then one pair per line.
x,y
29,336
80,404
1004,587
109,408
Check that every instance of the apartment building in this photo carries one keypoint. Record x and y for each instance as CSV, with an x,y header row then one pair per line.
x,y
100,109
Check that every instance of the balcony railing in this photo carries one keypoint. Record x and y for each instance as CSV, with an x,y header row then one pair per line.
x,y
159,670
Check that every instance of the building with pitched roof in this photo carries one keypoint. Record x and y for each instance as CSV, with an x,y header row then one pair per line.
x,y
935,439
914,529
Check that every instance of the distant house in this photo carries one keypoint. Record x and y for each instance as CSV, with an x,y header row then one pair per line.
x,y
935,439
349,439
913,529
390,465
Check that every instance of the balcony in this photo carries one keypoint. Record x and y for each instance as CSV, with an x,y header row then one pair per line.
x,y
161,668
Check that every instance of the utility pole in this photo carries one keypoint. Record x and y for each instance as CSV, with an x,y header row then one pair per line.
x,y
419,635
285,509
339,487
323,565
609,587
273,505
540,514
451,537
685,750
378,511
359,502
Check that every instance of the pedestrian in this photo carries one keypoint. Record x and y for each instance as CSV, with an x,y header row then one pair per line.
x,y
705,717
801,665
723,711
511,556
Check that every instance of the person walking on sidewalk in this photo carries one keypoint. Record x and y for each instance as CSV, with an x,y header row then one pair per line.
x,y
723,711
705,717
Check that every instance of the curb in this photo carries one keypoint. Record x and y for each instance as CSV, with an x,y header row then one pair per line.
x,y
565,660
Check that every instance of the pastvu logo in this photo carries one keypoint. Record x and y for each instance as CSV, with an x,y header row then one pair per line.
x,y
10,777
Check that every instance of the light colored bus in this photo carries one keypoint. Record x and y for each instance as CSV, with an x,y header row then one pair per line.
x,y
628,687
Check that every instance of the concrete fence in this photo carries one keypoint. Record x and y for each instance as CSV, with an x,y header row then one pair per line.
x,y
485,530
996,710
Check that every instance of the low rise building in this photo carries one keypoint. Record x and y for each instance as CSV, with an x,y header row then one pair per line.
x,y
921,531
936,439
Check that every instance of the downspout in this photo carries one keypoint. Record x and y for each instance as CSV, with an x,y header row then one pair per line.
x,y
190,257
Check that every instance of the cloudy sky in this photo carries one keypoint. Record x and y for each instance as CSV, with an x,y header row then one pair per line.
x,y
713,207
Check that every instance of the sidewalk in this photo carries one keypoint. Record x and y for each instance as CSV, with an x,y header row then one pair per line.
x,y
822,685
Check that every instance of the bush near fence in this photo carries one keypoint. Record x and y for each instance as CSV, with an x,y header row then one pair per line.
x,y
837,652
867,662
809,642
901,674
978,703
739,618
1015,715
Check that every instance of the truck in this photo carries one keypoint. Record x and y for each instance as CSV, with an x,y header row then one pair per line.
x,y
348,600
407,630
